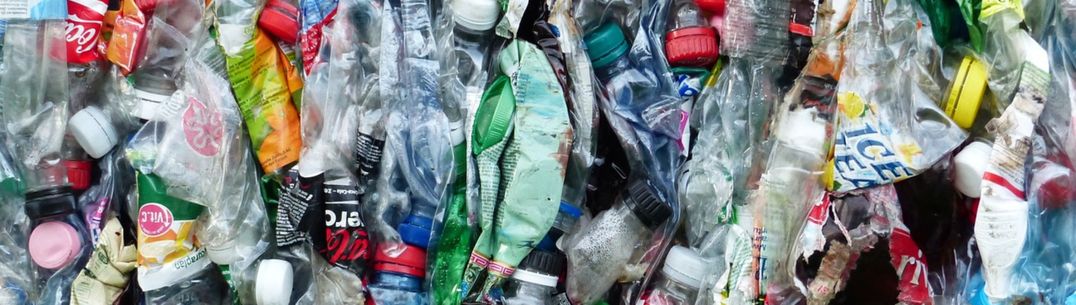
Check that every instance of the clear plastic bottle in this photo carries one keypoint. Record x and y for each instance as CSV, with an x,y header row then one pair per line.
x,y
608,51
535,281
690,41
567,217
679,281
398,280
601,251
472,35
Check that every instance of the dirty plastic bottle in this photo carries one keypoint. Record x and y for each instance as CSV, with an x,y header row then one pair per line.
x,y
690,41
604,248
472,35
535,281
680,279
398,280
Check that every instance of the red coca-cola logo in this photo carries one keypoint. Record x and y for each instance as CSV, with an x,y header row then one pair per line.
x,y
84,19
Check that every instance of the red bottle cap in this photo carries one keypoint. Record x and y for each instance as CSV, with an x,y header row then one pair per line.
x,y
79,173
281,20
412,261
691,47
716,7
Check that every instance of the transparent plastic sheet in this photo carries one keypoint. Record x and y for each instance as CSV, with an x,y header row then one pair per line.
x,y
900,119
1041,274
35,95
190,149
1002,53
417,162
331,119
648,124
592,14
15,269
756,30
170,33
464,73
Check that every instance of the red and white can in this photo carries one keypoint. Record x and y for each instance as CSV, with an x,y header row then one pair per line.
x,y
84,19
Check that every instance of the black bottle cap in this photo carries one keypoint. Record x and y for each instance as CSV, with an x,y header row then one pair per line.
x,y
544,262
645,204
50,201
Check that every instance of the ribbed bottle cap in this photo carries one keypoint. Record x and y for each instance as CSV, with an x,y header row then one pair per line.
x,y
966,93
691,47
50,201
544,262
605,44
79,174
281,20
494,114
716,7
645,204
476,15
684,266
411,261
94,131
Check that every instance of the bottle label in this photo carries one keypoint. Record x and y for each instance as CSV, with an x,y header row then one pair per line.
x,y
865,153
298,211
203,128
315,14
345,242
368,150
168,249
84,20
907,259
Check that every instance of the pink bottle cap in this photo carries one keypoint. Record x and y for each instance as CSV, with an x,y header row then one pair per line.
x,y
54,244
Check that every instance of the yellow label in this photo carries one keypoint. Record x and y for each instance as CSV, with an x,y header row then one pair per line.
x,y
991,7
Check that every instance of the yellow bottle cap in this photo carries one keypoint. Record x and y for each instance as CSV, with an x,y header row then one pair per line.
x,y
966,94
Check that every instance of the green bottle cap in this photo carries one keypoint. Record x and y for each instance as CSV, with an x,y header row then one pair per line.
x,y
605,44
494,114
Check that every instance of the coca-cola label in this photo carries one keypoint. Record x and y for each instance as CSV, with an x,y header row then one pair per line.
x,y
83,30
346,243
298,213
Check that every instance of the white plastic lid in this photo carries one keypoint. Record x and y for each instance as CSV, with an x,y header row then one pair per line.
x,y
534,277
685,266
148,103
224,254
94,131
476,15
970,165
273,285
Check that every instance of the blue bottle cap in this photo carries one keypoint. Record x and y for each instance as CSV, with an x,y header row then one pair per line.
x,y
570,210
416,231
605,45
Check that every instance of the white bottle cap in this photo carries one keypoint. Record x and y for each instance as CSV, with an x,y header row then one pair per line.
x,y
476,15
684,266
148,103
223,254
273,285
94,131
534,277
970,165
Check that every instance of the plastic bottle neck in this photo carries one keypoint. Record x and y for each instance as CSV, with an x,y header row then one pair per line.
x,y
613,69
397,281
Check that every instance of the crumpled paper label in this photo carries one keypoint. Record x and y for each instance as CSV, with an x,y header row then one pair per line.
x,y
108,270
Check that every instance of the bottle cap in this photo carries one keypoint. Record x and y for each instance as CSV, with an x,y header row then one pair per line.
x,y
476,15
494,114
274,281
534,277
543,262
411,261
416,230
79,174
281,20
50,201
967,92
716,7
691,47
54,244
151,90
645,205
969,166
223,254
685,266
605,44
94,131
